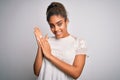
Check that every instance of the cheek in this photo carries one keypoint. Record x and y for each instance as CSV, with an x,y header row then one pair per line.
x,y
52,30
64,28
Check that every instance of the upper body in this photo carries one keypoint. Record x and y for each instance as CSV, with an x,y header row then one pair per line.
x,y
65,49
61,57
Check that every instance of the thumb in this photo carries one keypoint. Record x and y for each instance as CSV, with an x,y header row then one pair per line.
x,y
46,36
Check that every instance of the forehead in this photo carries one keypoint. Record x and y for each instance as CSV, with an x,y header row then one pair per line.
x,y
56,18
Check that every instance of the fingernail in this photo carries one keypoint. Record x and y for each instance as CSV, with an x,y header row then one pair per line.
x,y
40,36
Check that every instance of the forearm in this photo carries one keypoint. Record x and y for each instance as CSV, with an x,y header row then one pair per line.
x,y
38,62
72,70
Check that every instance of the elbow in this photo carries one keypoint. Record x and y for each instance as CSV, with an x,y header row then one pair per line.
x,y
76,75
37,74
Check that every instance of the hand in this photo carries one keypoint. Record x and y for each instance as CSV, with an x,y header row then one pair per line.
x,y
38,35
42,42
45,46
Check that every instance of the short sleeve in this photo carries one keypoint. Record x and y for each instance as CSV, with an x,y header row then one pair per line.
x,y
81,47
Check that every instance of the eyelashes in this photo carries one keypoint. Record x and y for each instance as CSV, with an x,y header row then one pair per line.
x,y
59,25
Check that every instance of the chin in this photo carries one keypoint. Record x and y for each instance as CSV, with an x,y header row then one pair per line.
x,y
59,36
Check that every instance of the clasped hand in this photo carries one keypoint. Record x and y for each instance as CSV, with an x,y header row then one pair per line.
x,y
42,42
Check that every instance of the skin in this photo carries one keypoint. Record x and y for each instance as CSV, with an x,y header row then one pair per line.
x,y
58,26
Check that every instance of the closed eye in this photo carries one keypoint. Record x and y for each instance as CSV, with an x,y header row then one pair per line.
x,y
59,24
52,26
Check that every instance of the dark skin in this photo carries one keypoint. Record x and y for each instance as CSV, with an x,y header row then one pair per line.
x,y
59,28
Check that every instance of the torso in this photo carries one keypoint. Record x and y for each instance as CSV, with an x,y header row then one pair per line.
x,y
63,49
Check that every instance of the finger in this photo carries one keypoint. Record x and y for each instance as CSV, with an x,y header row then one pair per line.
x,y
38,38
46,36
37,31
36,28
41,42
43,46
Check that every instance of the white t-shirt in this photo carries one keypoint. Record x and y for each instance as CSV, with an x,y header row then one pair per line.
x,y
64,49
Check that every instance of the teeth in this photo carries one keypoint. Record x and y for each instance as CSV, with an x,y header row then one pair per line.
x,y
58,32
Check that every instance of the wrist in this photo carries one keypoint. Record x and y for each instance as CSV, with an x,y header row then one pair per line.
x,y
39,47
49,56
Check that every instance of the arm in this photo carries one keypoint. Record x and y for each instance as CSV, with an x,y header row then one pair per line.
x,y
72,70
38,62
39,56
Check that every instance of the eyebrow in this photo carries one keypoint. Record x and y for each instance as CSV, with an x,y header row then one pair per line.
x,y
57,22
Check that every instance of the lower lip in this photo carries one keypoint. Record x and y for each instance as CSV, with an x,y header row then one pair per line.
x,y
58,33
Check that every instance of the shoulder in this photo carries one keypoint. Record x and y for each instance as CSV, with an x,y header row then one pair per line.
x,y
78,39
81,42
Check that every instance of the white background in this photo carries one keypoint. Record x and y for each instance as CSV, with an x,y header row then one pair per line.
x,y
97,21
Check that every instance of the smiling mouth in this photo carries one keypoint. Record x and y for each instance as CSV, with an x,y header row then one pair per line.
x,y
58,33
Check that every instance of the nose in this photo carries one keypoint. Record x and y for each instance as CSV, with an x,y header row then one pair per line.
x,y
56,28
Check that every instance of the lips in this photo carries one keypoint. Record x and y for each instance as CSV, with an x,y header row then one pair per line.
x,y
58,33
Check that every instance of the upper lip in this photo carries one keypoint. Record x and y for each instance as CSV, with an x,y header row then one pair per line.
x,y
57,32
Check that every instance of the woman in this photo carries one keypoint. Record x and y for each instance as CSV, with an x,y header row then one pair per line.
x,y
61,57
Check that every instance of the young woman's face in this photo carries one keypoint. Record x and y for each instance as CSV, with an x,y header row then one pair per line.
x,y
58,26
